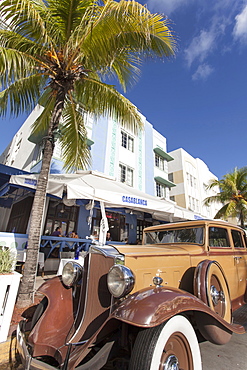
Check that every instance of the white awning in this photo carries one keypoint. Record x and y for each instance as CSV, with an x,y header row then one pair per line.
x,y
97,186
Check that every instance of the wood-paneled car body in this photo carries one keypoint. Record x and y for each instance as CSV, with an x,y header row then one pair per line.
x,y
142,307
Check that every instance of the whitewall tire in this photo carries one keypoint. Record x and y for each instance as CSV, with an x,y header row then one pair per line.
x,y
170,346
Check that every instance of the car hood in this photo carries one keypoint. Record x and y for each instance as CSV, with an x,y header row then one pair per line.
x,y
157,250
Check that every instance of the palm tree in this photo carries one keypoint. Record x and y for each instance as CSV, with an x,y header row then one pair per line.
x,y
60,54
233,194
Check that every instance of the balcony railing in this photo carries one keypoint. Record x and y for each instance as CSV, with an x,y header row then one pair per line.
x,y
50,243
47,243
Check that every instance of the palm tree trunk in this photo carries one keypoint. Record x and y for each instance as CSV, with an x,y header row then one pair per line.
x,y
26,291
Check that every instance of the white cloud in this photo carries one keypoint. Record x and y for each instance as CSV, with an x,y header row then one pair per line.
x,y
200,47
202,72
166,6
240,29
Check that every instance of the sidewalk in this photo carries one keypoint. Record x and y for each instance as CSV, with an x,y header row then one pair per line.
x,y
7,349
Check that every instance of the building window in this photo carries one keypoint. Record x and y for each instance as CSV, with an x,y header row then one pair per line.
x,y
59,215
127,141
172,197
141,224
160,190
18,145
191,180
159,162
170,177
126,174
190,203
20,213
193,204
188,178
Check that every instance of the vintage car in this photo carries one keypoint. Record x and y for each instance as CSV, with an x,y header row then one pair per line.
x,y
142,307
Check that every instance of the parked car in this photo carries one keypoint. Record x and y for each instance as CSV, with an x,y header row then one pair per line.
x,y
142,306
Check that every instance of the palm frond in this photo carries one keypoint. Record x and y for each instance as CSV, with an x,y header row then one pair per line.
x,y
102,99
42,123
22,95
233,194
14,65
74,138
125,67
32,20
121,30
226,211
13,40
213,183
69,14
24,16
213,199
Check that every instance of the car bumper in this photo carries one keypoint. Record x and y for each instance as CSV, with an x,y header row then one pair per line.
x,y
26,358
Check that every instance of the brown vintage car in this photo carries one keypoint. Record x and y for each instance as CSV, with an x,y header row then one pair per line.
x,y
142,307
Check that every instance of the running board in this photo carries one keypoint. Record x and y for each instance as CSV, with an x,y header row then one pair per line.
x,y
240,316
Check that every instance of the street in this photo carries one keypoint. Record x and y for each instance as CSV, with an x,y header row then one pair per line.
x,y
232,355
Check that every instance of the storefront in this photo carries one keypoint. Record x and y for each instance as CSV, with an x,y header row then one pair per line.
x,y
75,202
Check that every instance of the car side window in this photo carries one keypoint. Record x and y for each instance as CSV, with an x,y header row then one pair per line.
x,y
218,237
237,239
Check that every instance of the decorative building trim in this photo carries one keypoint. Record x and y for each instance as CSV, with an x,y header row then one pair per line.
x,y
140,164
113,149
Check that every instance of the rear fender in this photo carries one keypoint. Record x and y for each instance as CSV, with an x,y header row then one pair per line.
x,y
153,306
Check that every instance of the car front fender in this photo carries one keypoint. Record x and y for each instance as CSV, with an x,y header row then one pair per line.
x,y
152,306
52,328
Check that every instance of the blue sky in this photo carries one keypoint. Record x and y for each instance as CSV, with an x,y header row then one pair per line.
x,y
197,100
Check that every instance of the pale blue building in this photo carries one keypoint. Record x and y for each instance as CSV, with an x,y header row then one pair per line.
x,y
139,160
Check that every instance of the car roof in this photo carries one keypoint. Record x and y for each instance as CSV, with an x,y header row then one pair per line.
x,y
194,223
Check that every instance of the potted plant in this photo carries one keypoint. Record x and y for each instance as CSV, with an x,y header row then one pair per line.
x,y
9,282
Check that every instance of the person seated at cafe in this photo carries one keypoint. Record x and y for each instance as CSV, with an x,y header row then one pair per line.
x,y
94,236
57,232
73,234
108,236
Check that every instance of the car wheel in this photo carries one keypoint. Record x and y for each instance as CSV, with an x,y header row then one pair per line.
x,y
170,346
211,287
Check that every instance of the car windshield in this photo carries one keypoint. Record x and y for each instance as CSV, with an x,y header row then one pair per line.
x,y
188,235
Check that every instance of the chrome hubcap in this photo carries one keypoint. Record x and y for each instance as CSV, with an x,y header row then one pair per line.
x,y
171,363
216,295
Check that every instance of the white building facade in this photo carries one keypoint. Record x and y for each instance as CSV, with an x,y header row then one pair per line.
x,y
192,177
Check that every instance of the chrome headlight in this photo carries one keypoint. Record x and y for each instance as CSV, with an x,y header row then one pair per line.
x,y
120,280
72,273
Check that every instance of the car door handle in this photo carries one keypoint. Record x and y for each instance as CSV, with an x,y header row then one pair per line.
x,y
237,258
